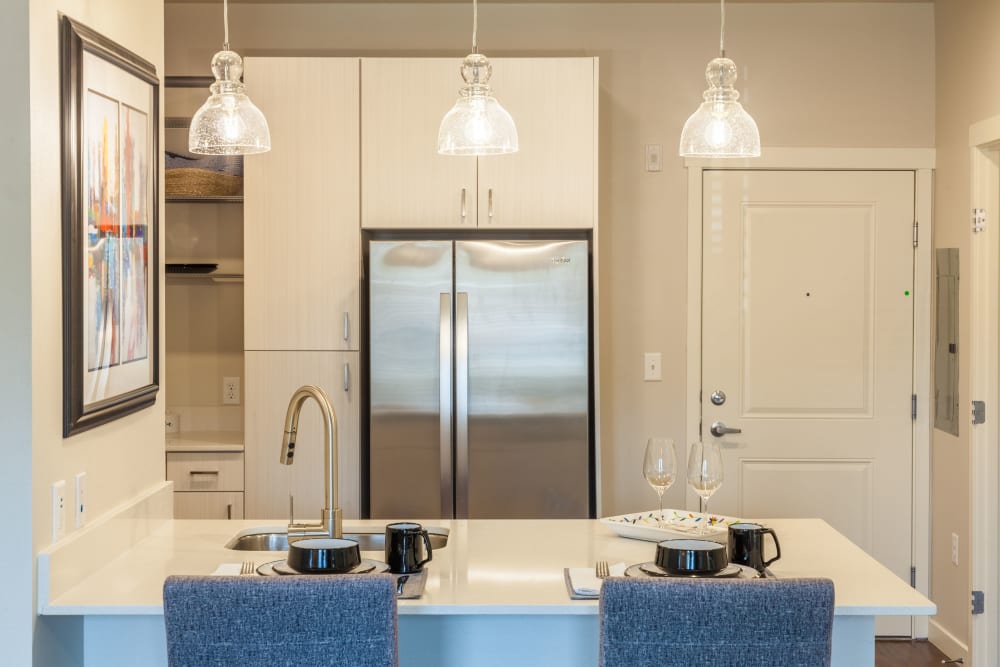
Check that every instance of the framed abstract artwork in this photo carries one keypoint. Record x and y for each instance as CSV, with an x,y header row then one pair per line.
x,y
110,211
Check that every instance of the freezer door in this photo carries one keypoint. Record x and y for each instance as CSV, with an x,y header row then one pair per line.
x,y
410,340
522,413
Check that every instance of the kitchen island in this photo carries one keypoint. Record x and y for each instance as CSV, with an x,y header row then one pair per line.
x,y
495,594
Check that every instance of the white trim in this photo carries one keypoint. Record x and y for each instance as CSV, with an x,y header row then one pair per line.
x,y
923,281
868,159
984,140
948,643
919,160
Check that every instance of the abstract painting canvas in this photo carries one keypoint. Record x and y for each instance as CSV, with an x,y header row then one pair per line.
x,y
110,102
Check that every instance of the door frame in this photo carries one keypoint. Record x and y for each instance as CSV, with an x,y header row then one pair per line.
x,y
984,367
921,161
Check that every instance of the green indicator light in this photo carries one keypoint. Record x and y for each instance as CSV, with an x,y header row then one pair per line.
x,y
906,293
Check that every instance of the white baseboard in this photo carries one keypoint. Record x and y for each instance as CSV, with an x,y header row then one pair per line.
x,y
947,643
68,562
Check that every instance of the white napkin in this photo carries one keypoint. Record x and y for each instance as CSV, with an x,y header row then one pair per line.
x,y
585,582
228,569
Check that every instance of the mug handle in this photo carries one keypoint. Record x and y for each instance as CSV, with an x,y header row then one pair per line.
x,y
777,546
427,544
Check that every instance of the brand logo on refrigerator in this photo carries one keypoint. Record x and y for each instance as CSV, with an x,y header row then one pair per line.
x,y
560,260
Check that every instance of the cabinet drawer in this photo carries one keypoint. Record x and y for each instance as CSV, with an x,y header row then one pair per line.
x,y
208,505
214,471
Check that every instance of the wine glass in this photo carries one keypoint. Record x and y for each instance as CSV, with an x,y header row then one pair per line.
x,y
704,471
659,466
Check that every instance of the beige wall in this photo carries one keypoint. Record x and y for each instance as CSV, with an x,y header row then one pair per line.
x,y
968,91
811,74
122,458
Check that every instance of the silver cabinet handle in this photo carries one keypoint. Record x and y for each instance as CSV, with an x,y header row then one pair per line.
x,y
489,198
347,326
203,472
347,376
720,429
444,405
462,406
463,205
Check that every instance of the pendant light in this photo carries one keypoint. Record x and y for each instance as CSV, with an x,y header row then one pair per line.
x,y
228,123
477,124
720,127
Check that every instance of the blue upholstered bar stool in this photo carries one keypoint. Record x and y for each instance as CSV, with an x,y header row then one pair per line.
x,y
718,622
305,621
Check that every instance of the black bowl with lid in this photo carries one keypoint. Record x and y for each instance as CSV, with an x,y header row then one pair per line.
x,y
691,556
323,555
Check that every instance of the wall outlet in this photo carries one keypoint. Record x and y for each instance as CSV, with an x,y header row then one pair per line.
x,y
58,510
172,422
80,500
652,364
954,549
230,391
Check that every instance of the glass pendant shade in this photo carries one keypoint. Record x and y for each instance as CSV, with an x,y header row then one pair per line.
x,y
228,123
477,124
720,127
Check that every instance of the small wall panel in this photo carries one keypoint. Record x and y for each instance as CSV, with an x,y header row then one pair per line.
x,y
840,491
807,310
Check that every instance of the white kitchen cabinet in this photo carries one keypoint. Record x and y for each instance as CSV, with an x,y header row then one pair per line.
x,y
272,378
206,505
550,183
301,209
207,484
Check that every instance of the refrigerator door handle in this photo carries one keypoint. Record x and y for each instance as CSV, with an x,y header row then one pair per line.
x,y
444,407
462,405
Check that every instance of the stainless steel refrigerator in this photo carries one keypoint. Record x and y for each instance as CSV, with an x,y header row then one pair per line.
x,y
479,393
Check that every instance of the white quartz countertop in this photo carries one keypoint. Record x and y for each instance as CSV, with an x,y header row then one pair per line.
x,y
488,567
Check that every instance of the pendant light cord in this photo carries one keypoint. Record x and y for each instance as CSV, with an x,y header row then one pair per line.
x,y
475,25
225,21
722,31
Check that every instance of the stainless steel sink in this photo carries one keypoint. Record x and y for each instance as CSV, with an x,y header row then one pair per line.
x,y
369,538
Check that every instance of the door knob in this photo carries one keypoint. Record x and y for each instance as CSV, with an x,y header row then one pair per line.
x,y
720,429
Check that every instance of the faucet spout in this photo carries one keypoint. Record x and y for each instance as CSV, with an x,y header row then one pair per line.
x,y
330,524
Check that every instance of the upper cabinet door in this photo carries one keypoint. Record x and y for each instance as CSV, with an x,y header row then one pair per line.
x,y
404,182
551,182
301,212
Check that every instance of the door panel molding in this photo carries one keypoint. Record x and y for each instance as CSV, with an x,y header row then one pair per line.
x,y
919,160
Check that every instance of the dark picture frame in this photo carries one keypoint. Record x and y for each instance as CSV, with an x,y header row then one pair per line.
x,y
110,99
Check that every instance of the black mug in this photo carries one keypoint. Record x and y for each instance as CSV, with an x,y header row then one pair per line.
x,y
746,545
407,547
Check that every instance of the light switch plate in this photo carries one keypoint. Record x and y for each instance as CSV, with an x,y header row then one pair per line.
x,y
652,364
654,157
80,500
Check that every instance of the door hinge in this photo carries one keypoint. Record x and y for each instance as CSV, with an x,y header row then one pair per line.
x,y
913,407
913,576
978,603
978,412
978,220
916,233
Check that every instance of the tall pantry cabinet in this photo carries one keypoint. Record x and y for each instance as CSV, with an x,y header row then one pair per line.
x,y
301,264
354,145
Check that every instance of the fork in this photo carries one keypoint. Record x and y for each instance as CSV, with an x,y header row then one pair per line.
x,y
601,570
248,567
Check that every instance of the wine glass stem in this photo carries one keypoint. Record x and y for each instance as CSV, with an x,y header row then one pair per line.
x,y
660,494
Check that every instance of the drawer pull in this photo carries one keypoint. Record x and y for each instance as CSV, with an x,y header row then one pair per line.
x,y
229,511
203,472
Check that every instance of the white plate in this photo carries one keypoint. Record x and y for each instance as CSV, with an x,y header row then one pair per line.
x,y
672,524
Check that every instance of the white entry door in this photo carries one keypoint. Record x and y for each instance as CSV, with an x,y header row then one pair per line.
x,y
807,324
